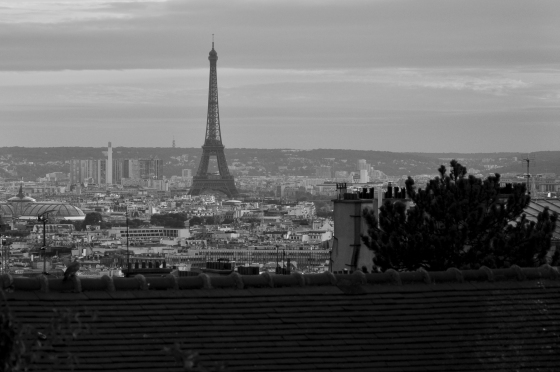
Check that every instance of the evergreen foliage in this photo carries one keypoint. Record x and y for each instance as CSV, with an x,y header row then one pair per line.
x,y
173,220
194,221
208,220
16,233
92,218
135,223
460,221
24,347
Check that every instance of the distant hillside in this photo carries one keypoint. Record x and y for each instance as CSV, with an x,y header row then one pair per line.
x,y
30,163
540,162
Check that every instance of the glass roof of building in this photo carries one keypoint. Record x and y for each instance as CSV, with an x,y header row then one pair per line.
x,y
6,210
62,210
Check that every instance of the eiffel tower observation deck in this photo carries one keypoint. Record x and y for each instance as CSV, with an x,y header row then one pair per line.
x,y
222,181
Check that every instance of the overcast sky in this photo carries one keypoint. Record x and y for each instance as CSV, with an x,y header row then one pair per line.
x,y
396,75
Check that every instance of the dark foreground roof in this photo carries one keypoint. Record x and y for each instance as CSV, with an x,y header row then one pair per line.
x,y
480,320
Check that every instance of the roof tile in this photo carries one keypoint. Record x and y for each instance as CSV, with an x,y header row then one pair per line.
x,y
478,325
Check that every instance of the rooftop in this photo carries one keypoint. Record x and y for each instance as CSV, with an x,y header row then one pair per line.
x,y
536,206
506,319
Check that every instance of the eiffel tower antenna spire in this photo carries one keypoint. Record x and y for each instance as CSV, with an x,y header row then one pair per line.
x,y
213,146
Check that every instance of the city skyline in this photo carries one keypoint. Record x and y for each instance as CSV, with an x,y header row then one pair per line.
x,y
430,76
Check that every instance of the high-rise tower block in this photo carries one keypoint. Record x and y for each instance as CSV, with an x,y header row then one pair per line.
x,y
109,174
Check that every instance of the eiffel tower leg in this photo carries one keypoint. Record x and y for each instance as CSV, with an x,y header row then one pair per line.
x,y
195,189
203,165
223,185
222,164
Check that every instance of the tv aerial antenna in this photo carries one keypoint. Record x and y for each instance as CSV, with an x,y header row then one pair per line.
x,y
529,159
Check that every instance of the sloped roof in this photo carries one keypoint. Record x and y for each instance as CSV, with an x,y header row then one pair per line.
x,y
536,206
456,320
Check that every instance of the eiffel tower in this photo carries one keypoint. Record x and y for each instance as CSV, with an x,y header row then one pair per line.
x,y
213,144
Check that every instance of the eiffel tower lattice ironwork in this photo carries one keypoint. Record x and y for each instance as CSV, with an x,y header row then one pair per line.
x,y
213,146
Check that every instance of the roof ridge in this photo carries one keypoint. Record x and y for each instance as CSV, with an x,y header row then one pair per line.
x,y
236,281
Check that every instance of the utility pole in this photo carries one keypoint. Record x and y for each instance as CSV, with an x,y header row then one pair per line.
x,y
277,267
528,175
4,250
43,217
127,236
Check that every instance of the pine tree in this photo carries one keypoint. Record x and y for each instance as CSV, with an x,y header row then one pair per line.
x,y
92,218
460,221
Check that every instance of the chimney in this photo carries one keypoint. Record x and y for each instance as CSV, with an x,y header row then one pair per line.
x,y
389,193
379,200
341,188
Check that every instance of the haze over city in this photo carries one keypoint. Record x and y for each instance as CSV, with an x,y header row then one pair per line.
x,y
429,76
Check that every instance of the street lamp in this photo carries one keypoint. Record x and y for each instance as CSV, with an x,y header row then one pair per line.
x,y
5,255
127,237
43,217
277,267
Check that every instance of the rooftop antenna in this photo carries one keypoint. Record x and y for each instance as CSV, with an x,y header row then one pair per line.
x,y
528,174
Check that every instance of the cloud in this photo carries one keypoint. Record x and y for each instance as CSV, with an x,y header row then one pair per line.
x,y
389,109
393,75
493,82
49,35
271,86
69,11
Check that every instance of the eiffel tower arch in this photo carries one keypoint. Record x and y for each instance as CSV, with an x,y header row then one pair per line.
x,y
213,147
